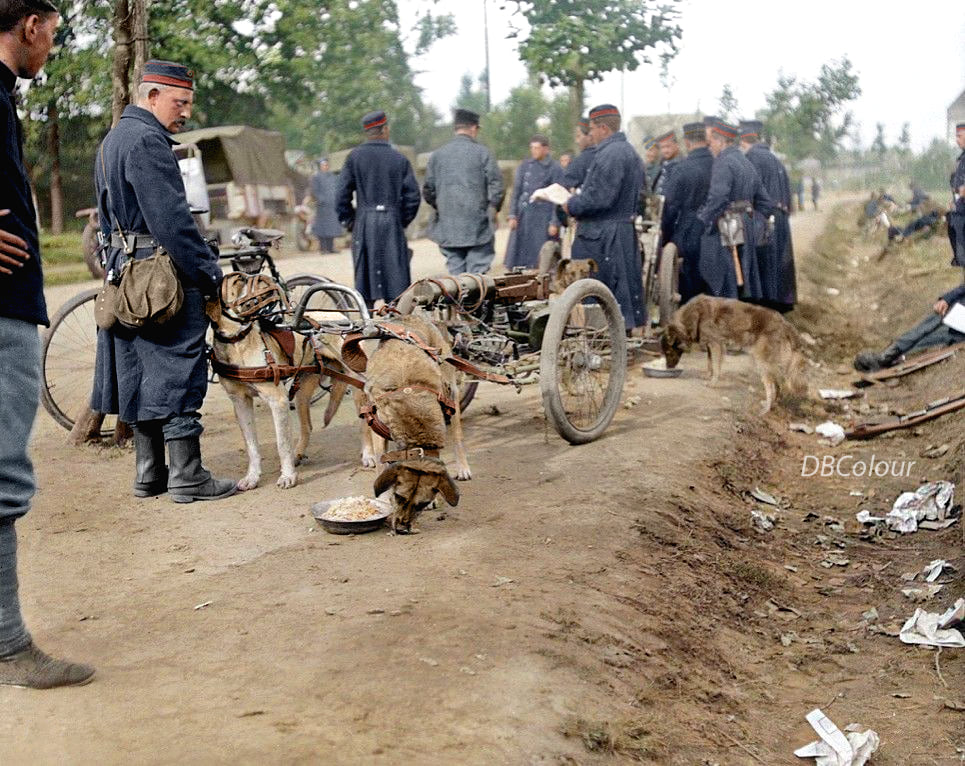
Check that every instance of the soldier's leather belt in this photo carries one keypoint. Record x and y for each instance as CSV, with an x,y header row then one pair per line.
x,y
133,241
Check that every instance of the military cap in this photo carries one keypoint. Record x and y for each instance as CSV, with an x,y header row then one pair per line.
x,y
695,131
649,142
374,119
604,110
465,117
668,136
168,73
709,120
583,123
724,128
960,126
751,128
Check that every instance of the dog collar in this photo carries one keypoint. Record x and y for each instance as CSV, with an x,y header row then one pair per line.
x,y
412,453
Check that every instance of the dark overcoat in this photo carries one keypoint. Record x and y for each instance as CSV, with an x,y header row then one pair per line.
x,y
575,173
604,210
778,274
324,187
956,216
733,179
532,218
156,372
463,182
685,192
664,174
386,201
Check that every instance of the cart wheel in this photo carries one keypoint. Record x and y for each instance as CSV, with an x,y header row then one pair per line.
x,y
583,361
668,297
68,355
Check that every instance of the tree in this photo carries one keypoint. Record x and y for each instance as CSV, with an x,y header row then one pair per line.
x,y
904,141
729,108
808,119
572,42
878,146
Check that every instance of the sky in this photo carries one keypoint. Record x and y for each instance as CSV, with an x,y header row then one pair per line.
x,y
911,66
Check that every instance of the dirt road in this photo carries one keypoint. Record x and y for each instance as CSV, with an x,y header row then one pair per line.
x,y
581,604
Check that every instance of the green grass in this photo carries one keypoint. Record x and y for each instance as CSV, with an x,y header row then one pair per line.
x,y
64,248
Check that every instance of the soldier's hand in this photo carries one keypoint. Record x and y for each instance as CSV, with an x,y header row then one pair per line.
x,y
13,250
941,307
513,223
553,231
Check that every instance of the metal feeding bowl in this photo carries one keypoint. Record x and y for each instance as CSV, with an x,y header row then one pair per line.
x,y
658,369
381,510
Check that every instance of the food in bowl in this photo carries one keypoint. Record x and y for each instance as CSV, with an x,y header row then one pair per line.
x,y
356,508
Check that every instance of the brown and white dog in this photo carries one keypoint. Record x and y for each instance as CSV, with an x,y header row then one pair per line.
x,y
412,393
713,323
241,344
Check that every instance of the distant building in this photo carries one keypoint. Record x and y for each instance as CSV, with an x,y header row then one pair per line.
x,y
654,124
956,114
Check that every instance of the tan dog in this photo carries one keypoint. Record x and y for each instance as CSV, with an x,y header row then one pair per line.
x,y
563,271
242,344
714,322
407,386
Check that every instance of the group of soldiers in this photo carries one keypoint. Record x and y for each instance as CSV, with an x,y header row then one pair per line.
x,y
725,205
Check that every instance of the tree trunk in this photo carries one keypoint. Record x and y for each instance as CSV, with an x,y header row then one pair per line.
x,y
56,185
576,102
139,16
120,80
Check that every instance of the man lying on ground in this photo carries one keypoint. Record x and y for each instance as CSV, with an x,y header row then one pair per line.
x,y
931,332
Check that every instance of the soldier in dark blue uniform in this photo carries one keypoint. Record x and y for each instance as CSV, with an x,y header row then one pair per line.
x,y
576,172
532,223
386,201
735,190
651,162
685,193
156,377
776,257
669,159
605,209
956,216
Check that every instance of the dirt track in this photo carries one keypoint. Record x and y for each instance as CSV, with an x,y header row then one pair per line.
x,y
564,595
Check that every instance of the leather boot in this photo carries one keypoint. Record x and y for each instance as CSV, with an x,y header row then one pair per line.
x,y
151,477
188,479
872,361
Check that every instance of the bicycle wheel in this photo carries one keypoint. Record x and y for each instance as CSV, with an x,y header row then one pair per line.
x,y
68,355
583,361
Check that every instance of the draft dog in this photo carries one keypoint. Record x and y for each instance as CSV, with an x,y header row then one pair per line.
x,y
411,393
255,358
712,323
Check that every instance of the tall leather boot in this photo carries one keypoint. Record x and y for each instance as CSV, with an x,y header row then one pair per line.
x,y
151,472
188,479
872,361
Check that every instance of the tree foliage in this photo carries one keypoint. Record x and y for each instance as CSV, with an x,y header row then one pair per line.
x,y
310,68
809,119
571,42
729,108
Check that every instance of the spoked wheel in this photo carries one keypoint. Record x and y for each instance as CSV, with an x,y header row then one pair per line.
x,y
468,394
668,283
583,361
68,355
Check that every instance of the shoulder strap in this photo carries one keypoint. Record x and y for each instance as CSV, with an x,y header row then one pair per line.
x,y
110,200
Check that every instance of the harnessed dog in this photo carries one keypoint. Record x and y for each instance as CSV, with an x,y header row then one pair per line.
x,y
253,356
